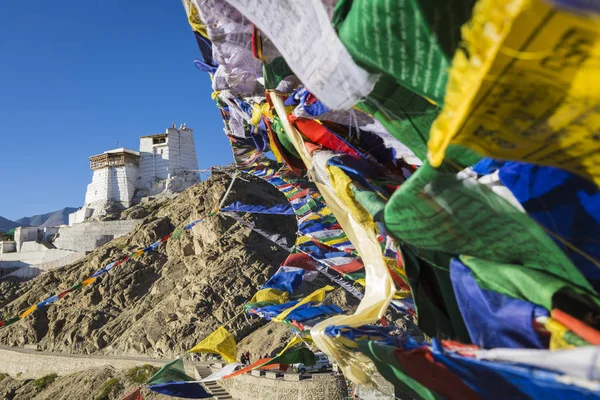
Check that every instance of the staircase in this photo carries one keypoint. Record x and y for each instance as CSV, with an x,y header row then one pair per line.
x,y
202,371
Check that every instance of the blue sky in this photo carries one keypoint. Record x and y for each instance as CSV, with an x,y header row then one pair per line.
x,y
76,76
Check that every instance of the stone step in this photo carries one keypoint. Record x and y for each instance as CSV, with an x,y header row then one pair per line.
x,y
218,392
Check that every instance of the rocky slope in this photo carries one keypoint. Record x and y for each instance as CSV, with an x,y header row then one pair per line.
x,y
166,301
54,218
96,384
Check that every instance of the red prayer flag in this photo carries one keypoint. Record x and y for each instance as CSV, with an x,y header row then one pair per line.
x,y
578,327
135,395
251,367
420,365
319,134
352,266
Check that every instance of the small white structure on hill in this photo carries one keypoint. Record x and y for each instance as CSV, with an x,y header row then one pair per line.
x,y
166,163
115,177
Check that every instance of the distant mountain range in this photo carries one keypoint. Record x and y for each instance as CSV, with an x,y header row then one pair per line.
x,y
7,224
54,218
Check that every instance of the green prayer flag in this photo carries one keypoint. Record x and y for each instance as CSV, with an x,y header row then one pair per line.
x,y
572,338
275,71
532,285
171,372
177,234
11,321
284,139
370,200
428,275
355,276
412,40
294,356
388,366
76,286
411,44
311,205
408,117
435,210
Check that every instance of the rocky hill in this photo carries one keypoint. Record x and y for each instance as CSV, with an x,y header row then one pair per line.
x,y
164,302
96,384
54,218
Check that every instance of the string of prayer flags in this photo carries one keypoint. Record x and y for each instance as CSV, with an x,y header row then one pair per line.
x,y
315,297
389,148
91,280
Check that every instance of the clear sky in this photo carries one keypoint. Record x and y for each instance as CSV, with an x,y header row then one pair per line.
x,y
77,76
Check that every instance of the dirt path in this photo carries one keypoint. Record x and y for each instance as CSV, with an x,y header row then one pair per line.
x,y
30,363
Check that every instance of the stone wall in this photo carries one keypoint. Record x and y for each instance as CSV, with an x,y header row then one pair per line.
x,y
34,256
31,271
8,247
25,234
87,236
32,364
80,215
286,387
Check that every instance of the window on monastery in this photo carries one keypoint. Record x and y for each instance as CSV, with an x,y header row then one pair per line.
x,y
159,140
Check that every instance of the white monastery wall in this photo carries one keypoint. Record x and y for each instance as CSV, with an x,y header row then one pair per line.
x,y
98,189
114,183
182,150
154,162
80,215
25,234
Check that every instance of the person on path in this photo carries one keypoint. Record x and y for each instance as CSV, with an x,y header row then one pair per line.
x,y
243,359
248,356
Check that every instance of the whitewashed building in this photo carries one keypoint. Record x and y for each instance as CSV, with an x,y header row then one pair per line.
x,y
166,163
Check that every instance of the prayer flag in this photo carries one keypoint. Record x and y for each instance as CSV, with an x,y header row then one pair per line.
x,y
219,342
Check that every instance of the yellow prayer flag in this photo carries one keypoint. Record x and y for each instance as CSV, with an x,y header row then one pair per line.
x,y
28,311
219,342
137,254
295,340
88,281
557,332
529,89
341,184
335,241
270,295
194,18
361,281
258,111
315,297
303,239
